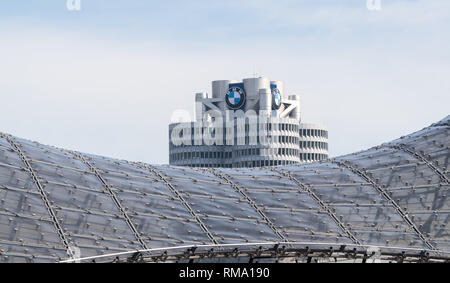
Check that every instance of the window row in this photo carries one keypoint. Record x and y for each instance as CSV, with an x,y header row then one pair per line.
x,y
279,139
267,151
283,127
238,153
312,157
288,139
263,163
313,133
246,164
197,154
210,165
314,144
273,127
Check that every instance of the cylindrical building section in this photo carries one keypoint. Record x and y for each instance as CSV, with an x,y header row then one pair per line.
x,y
252,87
199,106
219,90
296,114
280,86
313,142
265,101
280,138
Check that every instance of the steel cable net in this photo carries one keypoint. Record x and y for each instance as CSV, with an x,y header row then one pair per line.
x,y
57,205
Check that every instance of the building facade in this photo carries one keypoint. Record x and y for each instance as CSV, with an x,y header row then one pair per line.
x,y
313,142
249,123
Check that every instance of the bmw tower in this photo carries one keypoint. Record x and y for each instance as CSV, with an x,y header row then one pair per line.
x,y
249,123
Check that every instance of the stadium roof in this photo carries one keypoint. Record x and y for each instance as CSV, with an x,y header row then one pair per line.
x,y
57,204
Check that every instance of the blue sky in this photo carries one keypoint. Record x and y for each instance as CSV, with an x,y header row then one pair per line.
x,y
106,79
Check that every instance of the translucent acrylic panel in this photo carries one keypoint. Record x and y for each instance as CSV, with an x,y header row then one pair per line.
x,y
367,221
167,232
334,176
309,167
273,182
112,165
26,234
394,168
381,217
218,190
432,141
209,195
407,175
199,188
50,155
10,157
145,186
359,206
32,230
348,194
66,196
433,224
390,238
222,207
63,175
186,173
423,198
287,205
440,159
4,143
426,141
378,158
247,173
151,205
275,189
16,179
305,220
414,188
285,200
16,253
442,244
96,233
87,214
150,212
235,231
108,165
14,200
309,237
434,147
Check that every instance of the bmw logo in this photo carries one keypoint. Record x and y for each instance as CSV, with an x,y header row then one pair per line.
x,y
235,97
276,98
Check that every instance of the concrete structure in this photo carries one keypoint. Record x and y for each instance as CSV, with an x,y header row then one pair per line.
x,y
313,142
252,123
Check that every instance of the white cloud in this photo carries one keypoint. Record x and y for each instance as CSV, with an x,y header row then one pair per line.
x,y
115,98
